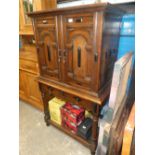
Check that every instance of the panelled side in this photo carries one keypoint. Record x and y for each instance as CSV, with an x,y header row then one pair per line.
x,y
110,42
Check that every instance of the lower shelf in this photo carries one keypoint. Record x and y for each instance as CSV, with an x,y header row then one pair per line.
x,y
87,143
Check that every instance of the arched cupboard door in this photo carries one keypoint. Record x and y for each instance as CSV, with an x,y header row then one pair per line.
x,y
79,56
48,48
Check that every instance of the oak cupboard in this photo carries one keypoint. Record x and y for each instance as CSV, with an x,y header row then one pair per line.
x,y
29,90
28,63
77,48
28,73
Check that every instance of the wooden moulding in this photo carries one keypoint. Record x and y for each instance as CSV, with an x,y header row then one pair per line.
x,y
81,8
69,89
128,132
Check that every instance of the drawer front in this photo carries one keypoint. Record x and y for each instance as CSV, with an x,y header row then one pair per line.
x,y
29,66
71,98
79,18
40,21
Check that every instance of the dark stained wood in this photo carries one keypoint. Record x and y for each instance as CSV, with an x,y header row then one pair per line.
x,y
77,48
82,8
71,47
87,143
77,92
47,49
78,38
94,136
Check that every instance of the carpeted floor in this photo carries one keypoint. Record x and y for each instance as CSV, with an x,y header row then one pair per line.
x,y
38,139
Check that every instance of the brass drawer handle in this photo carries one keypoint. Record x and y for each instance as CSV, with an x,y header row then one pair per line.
x,y
44,21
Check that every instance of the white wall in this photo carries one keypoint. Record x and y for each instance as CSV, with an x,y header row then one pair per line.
x,y
82,2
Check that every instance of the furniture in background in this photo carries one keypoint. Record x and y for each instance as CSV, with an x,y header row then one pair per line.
x,y
26,6
129,133
77,48
28,61
113,122
28,71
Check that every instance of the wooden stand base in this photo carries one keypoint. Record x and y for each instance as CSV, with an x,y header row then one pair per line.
x,y
49,92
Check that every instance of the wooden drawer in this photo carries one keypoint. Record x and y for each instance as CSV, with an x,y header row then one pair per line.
x,y
45,20
29,66
79,18
28,55
71,98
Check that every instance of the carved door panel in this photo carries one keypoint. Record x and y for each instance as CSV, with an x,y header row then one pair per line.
x,y
48,51
79,57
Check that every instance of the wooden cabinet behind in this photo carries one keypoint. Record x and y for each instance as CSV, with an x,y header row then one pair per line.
x,y
28,68
28,73
26,6
29,90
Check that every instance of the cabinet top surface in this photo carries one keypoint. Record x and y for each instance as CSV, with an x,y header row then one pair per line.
x,y
81,8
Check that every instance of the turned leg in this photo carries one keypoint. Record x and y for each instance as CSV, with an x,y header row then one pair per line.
x,y
94,137
45,104
47,118
92,152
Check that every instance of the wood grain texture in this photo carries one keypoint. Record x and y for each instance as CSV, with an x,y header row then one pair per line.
x,y
68,89
29,89
38,5
48,4
128,132
28,73
28,66
24,28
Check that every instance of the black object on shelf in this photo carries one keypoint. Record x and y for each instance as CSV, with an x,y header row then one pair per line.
x,y
85,128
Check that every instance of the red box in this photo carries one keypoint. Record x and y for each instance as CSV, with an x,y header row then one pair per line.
x,y
72,116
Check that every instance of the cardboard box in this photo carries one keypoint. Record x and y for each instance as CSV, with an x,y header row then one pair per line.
x,y
72,116
54,108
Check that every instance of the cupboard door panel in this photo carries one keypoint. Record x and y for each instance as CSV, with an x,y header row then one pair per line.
x,y
48,51
79,53
33,88
29,89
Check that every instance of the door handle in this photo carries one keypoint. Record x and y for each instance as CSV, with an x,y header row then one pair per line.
x,y
49,52
96,57
79,56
